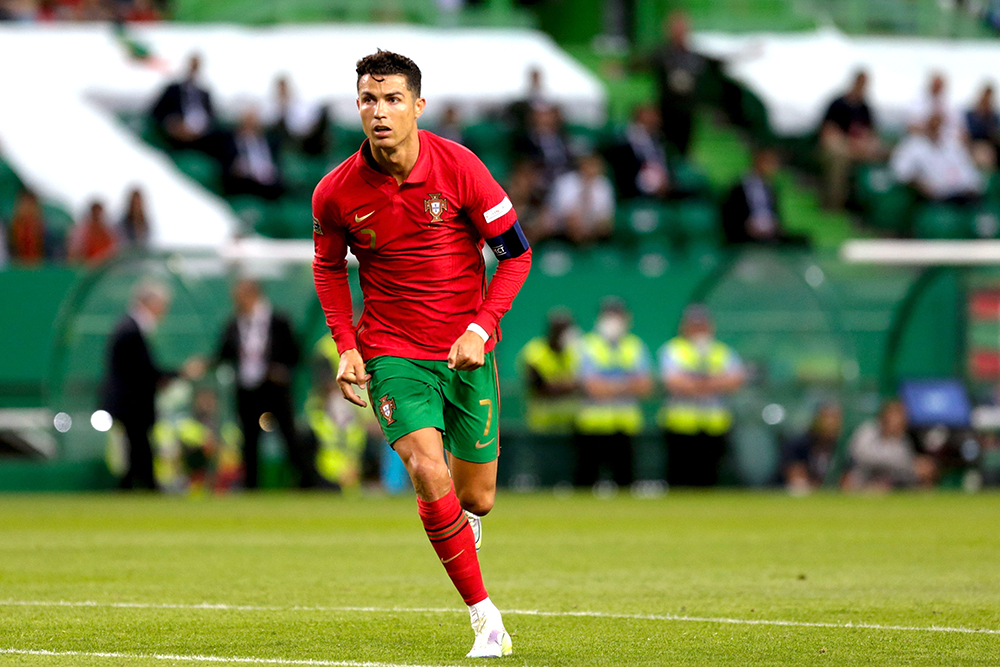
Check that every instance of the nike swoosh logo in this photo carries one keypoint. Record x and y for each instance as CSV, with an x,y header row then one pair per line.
x,y
362,218
445,562
485,444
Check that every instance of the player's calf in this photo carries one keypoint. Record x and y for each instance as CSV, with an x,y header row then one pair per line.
x,y
477,501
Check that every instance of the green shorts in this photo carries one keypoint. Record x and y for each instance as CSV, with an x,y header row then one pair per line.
x,y
410,394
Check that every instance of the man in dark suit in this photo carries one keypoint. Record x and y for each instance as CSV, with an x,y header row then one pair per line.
x,y
261,346
132,378
251,161
185,115
639,161
751,212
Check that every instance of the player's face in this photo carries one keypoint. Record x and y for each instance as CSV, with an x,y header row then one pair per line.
x,y
388,110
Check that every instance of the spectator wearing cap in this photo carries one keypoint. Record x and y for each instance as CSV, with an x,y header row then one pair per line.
x,y
699,373
615,375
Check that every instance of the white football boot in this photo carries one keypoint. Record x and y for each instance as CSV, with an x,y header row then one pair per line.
x,y
477,528
492,640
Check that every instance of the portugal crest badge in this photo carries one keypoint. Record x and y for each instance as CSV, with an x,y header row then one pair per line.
x,y
436,205
386,406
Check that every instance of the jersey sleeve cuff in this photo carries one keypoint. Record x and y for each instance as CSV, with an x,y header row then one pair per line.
x,y
345,342
481,332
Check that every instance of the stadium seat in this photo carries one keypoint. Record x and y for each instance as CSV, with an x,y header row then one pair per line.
x,y
303,172
10,186
199,167
886,204
942,221
688,179
696,223
295,219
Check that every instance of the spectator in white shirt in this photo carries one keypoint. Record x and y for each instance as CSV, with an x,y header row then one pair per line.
x,y
938,166
582,203
883,455
935,102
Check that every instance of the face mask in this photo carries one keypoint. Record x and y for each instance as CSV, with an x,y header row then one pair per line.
x,y
702,341
567,338
611,328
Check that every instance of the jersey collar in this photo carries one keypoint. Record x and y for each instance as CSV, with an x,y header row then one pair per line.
x,y
376,177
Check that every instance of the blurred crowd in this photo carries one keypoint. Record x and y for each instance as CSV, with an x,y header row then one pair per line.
x,y
46,11
174,434
946,155
588,390
29,238
566,185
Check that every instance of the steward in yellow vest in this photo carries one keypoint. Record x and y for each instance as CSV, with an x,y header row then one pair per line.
x,y
338,430
615,374
699,373
550,365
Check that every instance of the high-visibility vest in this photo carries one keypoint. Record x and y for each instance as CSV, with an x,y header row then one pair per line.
x,y
604,417
690,417
325,347
338,457
545,414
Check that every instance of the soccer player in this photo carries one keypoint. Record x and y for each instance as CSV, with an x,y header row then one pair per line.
x,y
415,209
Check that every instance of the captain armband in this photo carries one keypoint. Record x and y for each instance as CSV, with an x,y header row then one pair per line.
x,y
510,244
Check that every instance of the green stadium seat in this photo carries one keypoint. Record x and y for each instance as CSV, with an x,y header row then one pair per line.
x,y
942,221
254,213
303,172
10,186
886,204
986,221
199,167
295,218
58,220
698,222
637,219
688,179
488,137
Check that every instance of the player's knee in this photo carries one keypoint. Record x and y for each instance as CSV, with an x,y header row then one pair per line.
x,y
477,501
425,472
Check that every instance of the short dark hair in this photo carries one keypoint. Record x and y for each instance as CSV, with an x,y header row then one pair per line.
x,y
386,63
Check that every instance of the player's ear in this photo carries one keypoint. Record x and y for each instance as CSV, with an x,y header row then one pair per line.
x,y
420,104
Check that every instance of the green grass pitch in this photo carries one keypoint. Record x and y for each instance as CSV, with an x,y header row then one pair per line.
x,y
686,579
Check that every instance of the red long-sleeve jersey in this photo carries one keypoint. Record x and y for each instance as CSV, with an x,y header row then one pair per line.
x,y
419,248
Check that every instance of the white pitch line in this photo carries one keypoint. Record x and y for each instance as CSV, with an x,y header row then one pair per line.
x,y
515,612
206,658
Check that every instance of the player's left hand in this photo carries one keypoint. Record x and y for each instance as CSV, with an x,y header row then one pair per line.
x,y
467,353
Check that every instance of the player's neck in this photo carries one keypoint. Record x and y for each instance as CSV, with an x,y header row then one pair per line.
x,y
399,161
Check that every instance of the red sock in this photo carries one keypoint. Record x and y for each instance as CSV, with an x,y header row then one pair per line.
x,y
451,536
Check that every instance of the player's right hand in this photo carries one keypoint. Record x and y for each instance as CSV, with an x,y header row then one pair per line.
x,y
352,371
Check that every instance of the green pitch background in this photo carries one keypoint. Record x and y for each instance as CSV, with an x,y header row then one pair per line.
x,y
906,560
